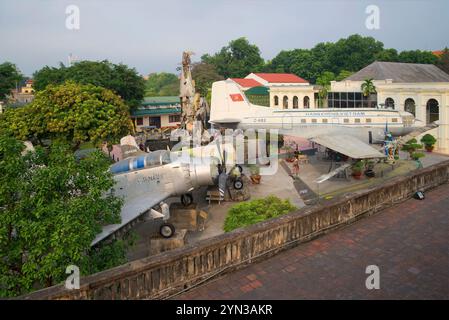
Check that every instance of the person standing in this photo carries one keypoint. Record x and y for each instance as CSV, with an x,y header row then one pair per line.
x,y
296,167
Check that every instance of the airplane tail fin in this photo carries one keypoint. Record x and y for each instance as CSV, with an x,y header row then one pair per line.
x,y
228,103
130,148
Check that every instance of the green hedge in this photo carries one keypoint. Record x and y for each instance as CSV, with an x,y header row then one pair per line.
x,y
251,212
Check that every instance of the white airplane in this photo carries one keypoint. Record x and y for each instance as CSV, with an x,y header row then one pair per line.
x,y
348,131
145,180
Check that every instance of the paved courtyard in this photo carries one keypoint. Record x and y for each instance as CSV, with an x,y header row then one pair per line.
x,y
408,242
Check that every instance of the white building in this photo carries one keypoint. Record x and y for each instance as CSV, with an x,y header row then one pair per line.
x,y
287,90
421,89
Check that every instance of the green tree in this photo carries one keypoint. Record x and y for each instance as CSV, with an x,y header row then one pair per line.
x,y
343,75
51,208
368,89
10,77
353,53
387,55
117,77
162,84
204,75
72,112
417,56
298,61
237,59
324,80
443,62
349,54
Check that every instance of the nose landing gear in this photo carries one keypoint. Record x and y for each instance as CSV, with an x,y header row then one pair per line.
x,y
167,230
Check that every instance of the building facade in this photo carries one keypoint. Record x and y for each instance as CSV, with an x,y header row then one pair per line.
x,y
421,89
23,95
287,91
158,112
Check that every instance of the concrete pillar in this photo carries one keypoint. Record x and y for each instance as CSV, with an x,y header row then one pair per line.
x,y
443,129
420,107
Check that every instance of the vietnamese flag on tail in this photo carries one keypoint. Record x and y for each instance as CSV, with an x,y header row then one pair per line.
x,y
236,97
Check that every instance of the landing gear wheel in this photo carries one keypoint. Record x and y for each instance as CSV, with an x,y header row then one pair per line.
x,y
186,199
238,184
167,230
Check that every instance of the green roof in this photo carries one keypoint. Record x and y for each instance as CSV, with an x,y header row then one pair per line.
x,y
260,90
160,101
146,112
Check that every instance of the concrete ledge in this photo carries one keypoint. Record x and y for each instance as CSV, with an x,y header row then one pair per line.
x,y
173,271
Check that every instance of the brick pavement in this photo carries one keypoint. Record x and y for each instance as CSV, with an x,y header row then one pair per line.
x,y
408,242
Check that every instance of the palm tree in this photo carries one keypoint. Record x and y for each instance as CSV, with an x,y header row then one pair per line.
x,y
368,89
322,94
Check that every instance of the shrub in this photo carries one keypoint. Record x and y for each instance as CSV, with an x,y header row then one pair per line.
x,y
411,146
251,212
254,169
357,167
428,140
417,155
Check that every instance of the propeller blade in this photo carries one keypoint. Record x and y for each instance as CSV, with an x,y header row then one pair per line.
x,y
222,178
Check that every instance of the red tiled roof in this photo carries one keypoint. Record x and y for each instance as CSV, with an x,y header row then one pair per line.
x,y
281,78
438,52
246,83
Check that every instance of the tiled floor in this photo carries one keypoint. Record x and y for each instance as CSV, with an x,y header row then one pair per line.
x,y
408,242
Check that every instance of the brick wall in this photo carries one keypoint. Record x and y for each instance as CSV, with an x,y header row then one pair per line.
x,y
171,272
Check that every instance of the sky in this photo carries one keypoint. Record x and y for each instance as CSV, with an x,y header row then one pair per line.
x,y
151,35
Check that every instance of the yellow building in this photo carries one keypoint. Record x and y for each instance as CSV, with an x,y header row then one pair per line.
x,y
421,89
23,95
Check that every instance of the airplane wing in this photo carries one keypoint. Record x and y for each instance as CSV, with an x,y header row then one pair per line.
x,y
131,210
348,145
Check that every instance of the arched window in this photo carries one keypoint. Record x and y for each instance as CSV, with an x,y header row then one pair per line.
x,y
306,102
432,110
389,103
295,102
285,102
409,106
276,100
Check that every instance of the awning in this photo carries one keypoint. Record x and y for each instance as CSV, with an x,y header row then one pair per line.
x,y
349,146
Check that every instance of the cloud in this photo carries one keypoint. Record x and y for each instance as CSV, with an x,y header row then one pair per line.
x,y
151,35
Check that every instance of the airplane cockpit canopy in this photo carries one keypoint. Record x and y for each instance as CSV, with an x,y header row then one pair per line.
x,y
152,159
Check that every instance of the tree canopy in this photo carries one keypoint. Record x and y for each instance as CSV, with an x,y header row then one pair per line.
x,y
162,84
236,60
124,81
51,208
443,62
204,74
10,76
349,54
71,112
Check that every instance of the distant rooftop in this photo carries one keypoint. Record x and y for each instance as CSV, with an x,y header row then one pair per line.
x,y
400,72
246,83
281,77
160,101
